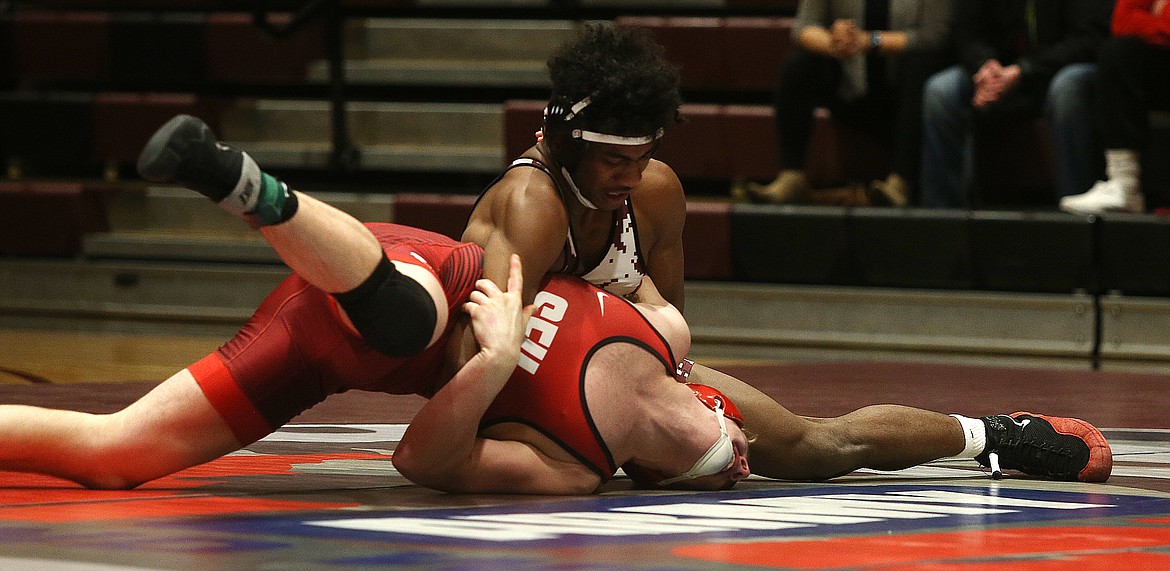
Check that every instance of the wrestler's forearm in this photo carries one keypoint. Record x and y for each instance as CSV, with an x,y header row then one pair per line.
x,y
443,435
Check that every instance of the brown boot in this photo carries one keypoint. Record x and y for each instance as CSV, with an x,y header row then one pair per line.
x,y
894,191
738,191
790,187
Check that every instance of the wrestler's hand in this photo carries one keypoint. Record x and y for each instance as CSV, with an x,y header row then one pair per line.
x,y
499,319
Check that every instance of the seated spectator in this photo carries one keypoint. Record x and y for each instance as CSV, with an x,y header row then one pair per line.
x,y
1018,60
865,60
1133,76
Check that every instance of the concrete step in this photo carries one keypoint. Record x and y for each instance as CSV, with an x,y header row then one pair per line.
x,y
165,223
158,246
448,72
738,321
758,321
173,209
428,137
135,290
748,319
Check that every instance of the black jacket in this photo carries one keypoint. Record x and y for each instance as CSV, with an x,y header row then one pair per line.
x,y
1041,36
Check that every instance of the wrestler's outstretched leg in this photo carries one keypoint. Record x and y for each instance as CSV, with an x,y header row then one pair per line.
x,y
399,308
171,428
893,437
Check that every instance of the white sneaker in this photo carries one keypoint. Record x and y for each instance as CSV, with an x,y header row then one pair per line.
x,y
1105,196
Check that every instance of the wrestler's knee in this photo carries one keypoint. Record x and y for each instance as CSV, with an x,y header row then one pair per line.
x,y
121,454
106,458
394,314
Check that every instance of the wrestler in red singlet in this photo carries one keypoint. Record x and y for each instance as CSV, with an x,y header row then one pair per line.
x,y
296,350
573,320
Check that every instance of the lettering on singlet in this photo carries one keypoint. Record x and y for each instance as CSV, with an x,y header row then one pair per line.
x,y
550,310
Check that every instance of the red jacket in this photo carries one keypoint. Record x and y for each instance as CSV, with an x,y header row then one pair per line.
x,y
1136,18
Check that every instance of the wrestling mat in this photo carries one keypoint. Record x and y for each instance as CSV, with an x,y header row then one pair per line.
x,y
322,494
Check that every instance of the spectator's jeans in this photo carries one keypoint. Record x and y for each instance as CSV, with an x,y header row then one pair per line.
x,y
947,123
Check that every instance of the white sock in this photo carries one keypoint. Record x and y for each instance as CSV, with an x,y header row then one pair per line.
x,y
1123,166
246,195
974,436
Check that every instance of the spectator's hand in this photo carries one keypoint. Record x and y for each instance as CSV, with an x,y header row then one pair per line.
x,y
847,39
990,69
987,84
995,83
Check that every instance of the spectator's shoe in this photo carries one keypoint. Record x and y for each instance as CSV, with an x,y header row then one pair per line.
x,y
185,151
790,187
1058,448
738,191
894,191
1105,196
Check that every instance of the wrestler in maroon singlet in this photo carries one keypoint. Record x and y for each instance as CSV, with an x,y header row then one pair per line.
x,y
621,266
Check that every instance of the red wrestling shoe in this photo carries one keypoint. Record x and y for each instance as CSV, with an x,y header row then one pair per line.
x,y
1060,448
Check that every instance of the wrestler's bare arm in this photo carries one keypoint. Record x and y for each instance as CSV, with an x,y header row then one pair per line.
x,y
442,449
665,318
522,215
661,208
512,467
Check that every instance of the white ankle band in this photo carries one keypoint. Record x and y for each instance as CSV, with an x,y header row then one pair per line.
x,y
244,197
974,436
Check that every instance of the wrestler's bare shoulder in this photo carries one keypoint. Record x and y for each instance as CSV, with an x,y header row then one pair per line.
x,y
521,196
659,199
524,188
659,184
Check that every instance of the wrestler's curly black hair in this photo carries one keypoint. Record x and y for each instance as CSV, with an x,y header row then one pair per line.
x,y
633,89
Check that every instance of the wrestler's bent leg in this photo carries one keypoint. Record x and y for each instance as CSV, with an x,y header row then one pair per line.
x,y
327,247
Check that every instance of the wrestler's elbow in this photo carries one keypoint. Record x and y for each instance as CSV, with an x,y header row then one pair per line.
x,y
406,461
417,468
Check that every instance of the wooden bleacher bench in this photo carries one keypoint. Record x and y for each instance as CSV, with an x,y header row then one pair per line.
x,y
48,218
239,52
